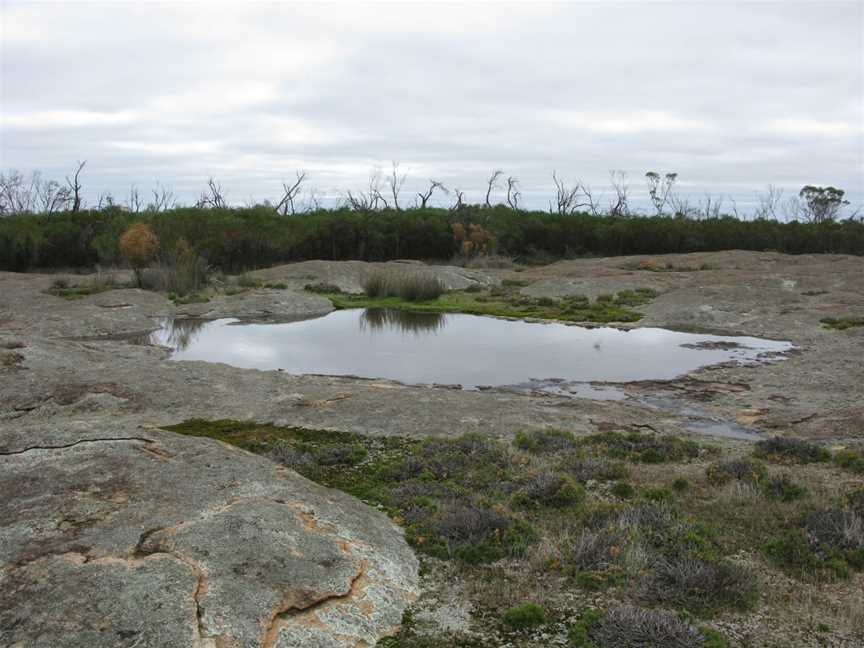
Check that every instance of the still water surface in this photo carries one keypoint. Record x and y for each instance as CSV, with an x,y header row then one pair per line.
x,y
468,350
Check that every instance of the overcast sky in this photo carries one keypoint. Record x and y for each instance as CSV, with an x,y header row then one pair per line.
x,y
731,96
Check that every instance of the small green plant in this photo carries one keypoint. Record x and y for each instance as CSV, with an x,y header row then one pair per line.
x,y
681,485
623,490
524,616
323,288
842,323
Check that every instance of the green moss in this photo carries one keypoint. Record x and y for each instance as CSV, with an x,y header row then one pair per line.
x,y
504,303
524,616
192,298
842,323
77,292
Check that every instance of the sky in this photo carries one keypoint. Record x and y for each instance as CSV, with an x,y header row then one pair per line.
x,y
731,96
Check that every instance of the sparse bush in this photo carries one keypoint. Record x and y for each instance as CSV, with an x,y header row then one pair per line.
x,y
289,456
585,469
61,283
633,627
698,585
790,450
744,470
524,616
341,454
549,489
791,550
138,245
593,550
781,487
850,460
644,448
541,441
181,272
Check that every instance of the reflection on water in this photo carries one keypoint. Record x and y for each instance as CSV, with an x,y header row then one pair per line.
x,y
379,319
456,349
177,334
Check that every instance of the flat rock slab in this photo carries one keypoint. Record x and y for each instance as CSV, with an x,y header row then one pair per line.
x,y
147,538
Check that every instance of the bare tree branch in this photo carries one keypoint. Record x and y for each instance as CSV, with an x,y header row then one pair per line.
x,y
289,194
75,186
492,183
424,196
395,181
513,193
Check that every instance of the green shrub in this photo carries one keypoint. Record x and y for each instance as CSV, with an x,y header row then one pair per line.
x,y
790,550
623,490
681,485
850,460
790,450
524,616
782,488
541,441
549,490
744,470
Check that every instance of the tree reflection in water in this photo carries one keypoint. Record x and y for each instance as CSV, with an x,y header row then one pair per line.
x,y
177,334
379,319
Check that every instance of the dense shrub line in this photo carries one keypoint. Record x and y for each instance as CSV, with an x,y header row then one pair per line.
x,y
240,238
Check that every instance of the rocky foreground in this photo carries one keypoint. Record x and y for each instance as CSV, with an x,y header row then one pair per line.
x,y
114,532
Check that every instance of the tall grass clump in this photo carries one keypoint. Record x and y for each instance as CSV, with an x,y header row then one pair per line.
x,y
180,271
412,288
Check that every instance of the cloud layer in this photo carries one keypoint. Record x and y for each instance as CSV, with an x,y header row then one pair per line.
x,y
732,96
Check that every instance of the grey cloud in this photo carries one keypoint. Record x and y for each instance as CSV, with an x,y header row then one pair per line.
x,y
731,96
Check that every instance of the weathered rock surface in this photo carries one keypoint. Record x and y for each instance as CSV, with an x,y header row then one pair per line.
x,y
146,538
113,533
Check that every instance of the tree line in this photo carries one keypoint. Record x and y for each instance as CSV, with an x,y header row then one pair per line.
x,y
47,224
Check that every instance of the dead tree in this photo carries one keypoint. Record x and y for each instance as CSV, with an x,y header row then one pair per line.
x,y
592,204
621,187
163,200
492,183
513,193
660,189
460,199
133,204
290,192
395,181
74,186
212,196
51,196
424,196
566,198
372,198
768,203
